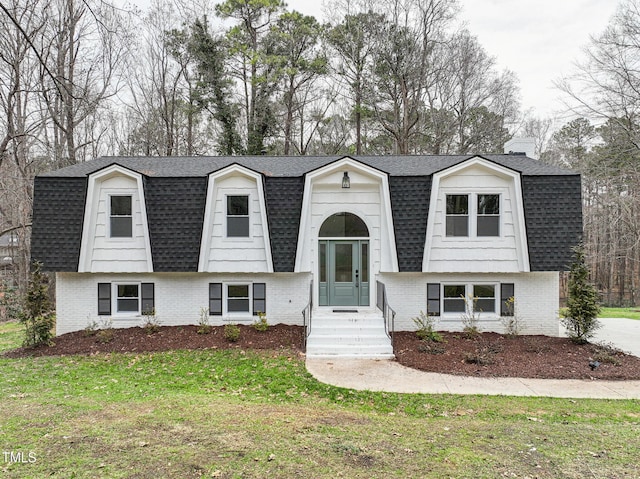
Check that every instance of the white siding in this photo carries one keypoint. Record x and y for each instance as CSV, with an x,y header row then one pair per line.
x,y
536,295
178,298
106,254
475,254
223,254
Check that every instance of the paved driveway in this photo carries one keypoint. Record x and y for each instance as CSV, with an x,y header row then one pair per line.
x,y
622,333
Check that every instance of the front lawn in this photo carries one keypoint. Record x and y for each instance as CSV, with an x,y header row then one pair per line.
x,y
246,414
630,313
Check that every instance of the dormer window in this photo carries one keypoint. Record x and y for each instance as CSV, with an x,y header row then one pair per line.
x,y
473,214
238,216
121,218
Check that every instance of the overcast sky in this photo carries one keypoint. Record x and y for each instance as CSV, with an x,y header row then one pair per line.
x,y
537,39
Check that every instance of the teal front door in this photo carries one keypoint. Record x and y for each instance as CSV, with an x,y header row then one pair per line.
x,y
344,272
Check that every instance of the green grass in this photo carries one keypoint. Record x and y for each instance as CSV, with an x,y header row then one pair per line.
x,y
11,335
235,414
631,313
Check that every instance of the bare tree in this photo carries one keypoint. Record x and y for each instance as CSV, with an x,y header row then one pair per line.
x,y
82,49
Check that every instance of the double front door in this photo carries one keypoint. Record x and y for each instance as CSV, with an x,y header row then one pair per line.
x,y
344,272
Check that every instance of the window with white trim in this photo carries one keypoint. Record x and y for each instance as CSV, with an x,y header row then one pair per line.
x,y
457,298
127,298
120,216
130,299
238,216
475,214
237,299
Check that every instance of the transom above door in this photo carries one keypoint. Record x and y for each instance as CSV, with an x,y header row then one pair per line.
x,y
343,258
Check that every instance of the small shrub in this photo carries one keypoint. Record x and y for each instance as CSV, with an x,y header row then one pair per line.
x,y
92,328
471,317
231,332
607,353
150,321
104,336
203,324
484,353
431,347
425,327
261,323
512,323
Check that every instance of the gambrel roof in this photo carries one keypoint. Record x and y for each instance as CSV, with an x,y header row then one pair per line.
x,y
175,190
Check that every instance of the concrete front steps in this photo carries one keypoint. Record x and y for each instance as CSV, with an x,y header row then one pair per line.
x,y
348,335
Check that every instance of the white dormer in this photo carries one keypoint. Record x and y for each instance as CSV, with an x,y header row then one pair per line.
x,y
476,220
115,233
235,234
367,196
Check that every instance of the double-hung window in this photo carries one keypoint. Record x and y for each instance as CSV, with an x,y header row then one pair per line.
x,y
456,299
121,217
475,215
238,216
127,298
461,298
239,299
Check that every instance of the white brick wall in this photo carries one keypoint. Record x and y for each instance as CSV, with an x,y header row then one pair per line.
x,y
536,294
178,298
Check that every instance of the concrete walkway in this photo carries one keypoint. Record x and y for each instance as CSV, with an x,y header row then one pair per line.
x,y
388,375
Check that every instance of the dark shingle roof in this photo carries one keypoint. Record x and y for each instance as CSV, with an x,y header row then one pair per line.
x,y
175,195
553,215
409,165
175,213
284,205
58,214
410,208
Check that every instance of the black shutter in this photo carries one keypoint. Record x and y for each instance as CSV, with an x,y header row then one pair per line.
x,y
506,292
104,299
148,298
433,299
259,298
215,299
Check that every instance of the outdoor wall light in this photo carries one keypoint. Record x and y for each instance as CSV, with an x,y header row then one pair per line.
x,y
346,182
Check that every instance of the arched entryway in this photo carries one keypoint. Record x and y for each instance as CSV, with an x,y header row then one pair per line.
x,y
343,258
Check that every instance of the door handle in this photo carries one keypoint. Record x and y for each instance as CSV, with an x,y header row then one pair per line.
x,y
356,278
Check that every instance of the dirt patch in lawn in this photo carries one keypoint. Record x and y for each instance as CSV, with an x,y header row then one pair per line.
x,y
487,354
495,355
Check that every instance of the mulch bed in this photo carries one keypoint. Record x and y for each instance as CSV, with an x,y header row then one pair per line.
x,y
486,355
166,338
495,355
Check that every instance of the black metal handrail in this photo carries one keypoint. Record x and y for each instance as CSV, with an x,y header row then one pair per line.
x,y
306,315
388,313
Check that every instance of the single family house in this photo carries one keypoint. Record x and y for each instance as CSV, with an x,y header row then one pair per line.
x,y
350,246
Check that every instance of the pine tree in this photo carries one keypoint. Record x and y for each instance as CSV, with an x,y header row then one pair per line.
x,y
583,308
37,313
